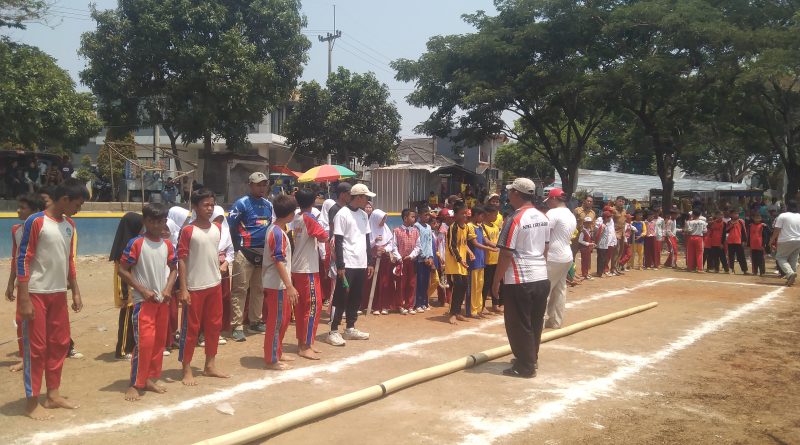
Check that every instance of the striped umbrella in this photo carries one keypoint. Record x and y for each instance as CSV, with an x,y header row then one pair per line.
x,y
326,173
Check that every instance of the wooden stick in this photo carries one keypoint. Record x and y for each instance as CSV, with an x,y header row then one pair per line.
x,y
374,282
334,405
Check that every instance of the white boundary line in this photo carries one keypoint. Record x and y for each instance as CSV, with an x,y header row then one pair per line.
x,y
296,374
588,390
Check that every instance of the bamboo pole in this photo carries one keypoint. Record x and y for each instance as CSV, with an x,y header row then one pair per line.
x,y
336,404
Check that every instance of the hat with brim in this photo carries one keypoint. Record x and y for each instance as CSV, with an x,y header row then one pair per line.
x,y
361,189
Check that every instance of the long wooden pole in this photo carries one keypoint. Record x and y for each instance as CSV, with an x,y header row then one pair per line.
x,y
334,405
374,282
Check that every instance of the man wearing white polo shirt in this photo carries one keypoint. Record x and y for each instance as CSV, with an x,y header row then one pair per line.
x,y
522,266
786,237
559,256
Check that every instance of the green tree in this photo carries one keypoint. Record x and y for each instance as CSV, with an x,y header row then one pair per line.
x,y
541,61
195,68
39,107
515,159
14,13
351,116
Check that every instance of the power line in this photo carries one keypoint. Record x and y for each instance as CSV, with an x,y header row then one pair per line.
x,y
367,61
365,54
389,59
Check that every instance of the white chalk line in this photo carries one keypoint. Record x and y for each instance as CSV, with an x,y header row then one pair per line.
x,y
732,283
605,355
295,374
587,390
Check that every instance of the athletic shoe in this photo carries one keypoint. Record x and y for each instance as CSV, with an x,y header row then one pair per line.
x,y
412,312
75,354
238,335
201,340
360,312
404,311
376,312
166,353
790,279
355,334
334,338
421,310
257,328
222,341
511,372
384,312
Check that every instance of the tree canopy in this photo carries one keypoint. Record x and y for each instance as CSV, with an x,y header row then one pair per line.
x,y
14,13
351,116
39,107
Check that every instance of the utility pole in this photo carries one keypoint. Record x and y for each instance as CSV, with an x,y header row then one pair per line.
x,y
331,38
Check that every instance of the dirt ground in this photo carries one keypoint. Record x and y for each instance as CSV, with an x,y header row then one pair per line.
x,y
716,362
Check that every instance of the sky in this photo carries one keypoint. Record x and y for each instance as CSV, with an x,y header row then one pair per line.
x,y
373,34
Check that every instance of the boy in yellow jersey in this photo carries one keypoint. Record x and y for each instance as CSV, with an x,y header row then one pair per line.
x,y
456,257
491,232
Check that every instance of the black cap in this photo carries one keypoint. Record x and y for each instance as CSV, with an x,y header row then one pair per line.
x,y
343,187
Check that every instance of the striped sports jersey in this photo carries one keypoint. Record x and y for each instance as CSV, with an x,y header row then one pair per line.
x,y
249,219
16,239
150,259
277,250
46,257
526,234
199,248
307,234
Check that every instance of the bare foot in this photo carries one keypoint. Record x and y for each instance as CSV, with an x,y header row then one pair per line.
x,y
15,368
214,372
36,411
460,317
188,378
57,401
286,358
308,353
152,386
278,366
315,350
452,319
132,394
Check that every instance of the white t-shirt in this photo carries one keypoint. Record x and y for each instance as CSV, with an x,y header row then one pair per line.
x,y
789,223
148,258
526,234
200,249
353,227
46,254
562,226
308,234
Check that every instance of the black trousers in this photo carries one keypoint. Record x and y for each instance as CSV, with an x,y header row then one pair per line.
x,y
524,316
488,280
459,292
349,299
125,340
736,251
716,257
759,266
601,260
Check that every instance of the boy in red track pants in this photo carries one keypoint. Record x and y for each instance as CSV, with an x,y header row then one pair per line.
x,y
45,270
142,267
279,293
695,228
307,235
201,288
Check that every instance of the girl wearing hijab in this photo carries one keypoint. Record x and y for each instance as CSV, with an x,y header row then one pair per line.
x,y
381,240
129,227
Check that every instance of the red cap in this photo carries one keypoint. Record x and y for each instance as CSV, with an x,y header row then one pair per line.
x,y
556,193
606,214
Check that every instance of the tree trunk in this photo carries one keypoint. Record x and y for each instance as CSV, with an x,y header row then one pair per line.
x,y
792,182
569,179
173,142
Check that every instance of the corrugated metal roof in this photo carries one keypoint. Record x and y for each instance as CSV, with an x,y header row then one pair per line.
x,y
419,151
612,184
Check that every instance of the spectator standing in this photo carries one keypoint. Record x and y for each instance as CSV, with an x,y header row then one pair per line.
x,y
559,260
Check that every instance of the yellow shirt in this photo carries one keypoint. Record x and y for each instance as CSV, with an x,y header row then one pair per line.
x,y
492,232
456,250
433,200
498,222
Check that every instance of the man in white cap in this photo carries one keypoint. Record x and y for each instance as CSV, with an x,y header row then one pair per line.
x,y
522,267
353,264
559,256
249,219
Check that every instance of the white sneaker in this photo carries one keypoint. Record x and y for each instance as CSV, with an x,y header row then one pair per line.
x,y
404,311
334,338
167,353
376,312
384,312
420,309
222,341
412,312
355,334
360,312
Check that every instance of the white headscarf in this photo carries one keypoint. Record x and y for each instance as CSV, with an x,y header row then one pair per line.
x,y
225,242
376,229
177,217
323,218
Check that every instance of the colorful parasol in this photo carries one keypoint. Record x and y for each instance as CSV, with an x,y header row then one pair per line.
x,y
326,173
